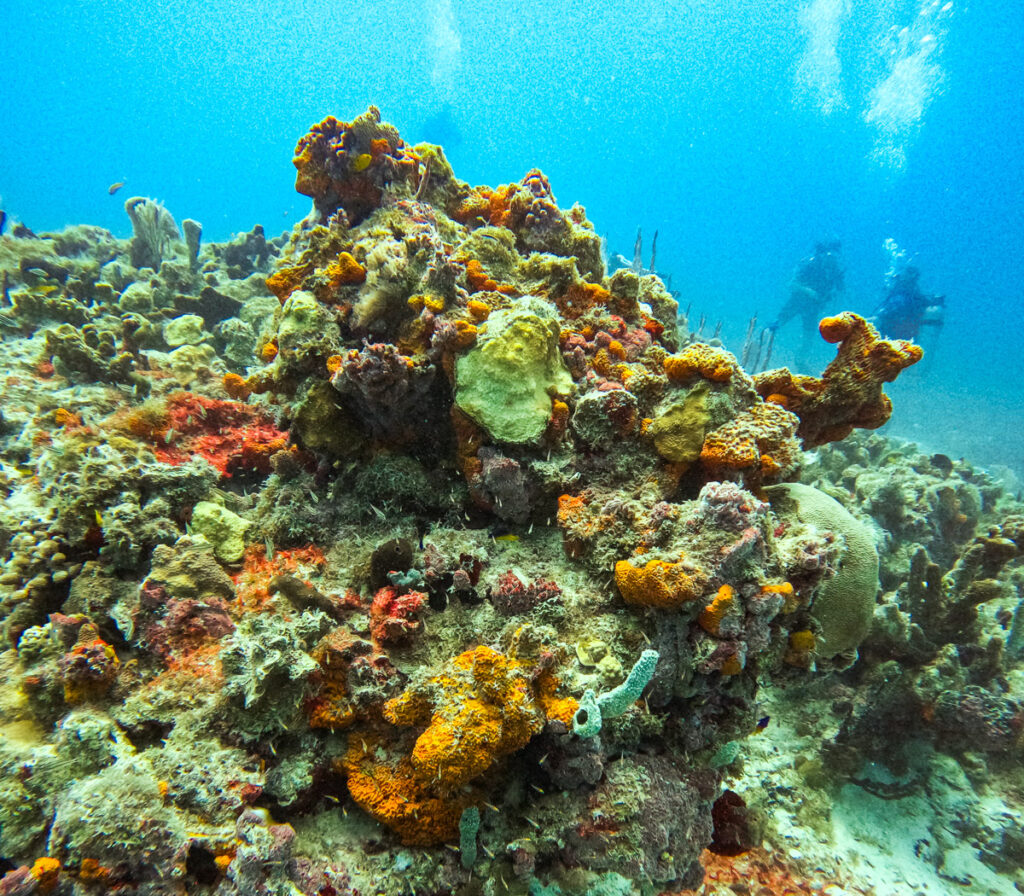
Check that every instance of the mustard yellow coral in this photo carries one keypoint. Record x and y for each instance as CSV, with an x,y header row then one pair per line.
x,y
759,442
659,584
802,645
388,788
712,615
849,393
345,270
700,359
284,281
483,709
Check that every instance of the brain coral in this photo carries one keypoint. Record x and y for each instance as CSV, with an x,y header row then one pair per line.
x,y
845,603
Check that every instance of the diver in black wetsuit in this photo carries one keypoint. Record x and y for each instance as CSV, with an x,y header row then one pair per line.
x,y
906,312
817,281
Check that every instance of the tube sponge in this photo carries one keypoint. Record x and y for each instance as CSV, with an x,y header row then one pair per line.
x,y
469,824
845,603
593,709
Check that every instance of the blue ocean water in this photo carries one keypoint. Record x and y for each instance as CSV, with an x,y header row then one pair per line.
x,y
741,132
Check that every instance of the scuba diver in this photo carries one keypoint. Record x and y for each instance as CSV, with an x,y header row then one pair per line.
x,y
906,312
817,281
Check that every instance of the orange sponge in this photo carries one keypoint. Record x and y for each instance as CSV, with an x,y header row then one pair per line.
x,y
658,584
849,394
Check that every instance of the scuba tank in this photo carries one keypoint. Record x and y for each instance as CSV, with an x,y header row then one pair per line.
x,y
935,313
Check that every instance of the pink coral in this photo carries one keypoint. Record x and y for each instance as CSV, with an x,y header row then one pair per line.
x,y
393,615
513,597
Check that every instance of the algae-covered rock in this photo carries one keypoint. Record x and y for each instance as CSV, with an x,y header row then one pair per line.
x,y
602,417
184,330
118,818
24,812
137,296
679,431
303,321
324,425
495,249
266,670
191,363
505,383
222,528
845,604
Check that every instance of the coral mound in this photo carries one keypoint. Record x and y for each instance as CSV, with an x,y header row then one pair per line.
x,y
417,527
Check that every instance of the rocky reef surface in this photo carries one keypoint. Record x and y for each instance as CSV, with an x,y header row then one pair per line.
x,y
409,552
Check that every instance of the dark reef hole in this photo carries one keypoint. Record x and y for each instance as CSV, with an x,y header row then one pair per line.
x,y
732,826
201,866
50,599
689,485
6,865
150,733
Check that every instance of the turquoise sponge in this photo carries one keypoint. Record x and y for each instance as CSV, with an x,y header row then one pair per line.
x,y
594,709
469,824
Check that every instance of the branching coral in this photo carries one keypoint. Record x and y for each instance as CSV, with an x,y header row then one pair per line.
x,y
849,393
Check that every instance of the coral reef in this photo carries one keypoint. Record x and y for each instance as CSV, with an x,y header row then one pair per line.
x,y
410,552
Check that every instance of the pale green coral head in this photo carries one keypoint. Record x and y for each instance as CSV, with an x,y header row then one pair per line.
x,y
506,382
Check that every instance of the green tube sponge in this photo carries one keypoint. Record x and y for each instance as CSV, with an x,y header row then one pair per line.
x,y
846,602
587,721
506,381
593,710
469,824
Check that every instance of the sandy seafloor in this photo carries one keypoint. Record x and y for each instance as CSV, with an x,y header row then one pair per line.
x,y
216,490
